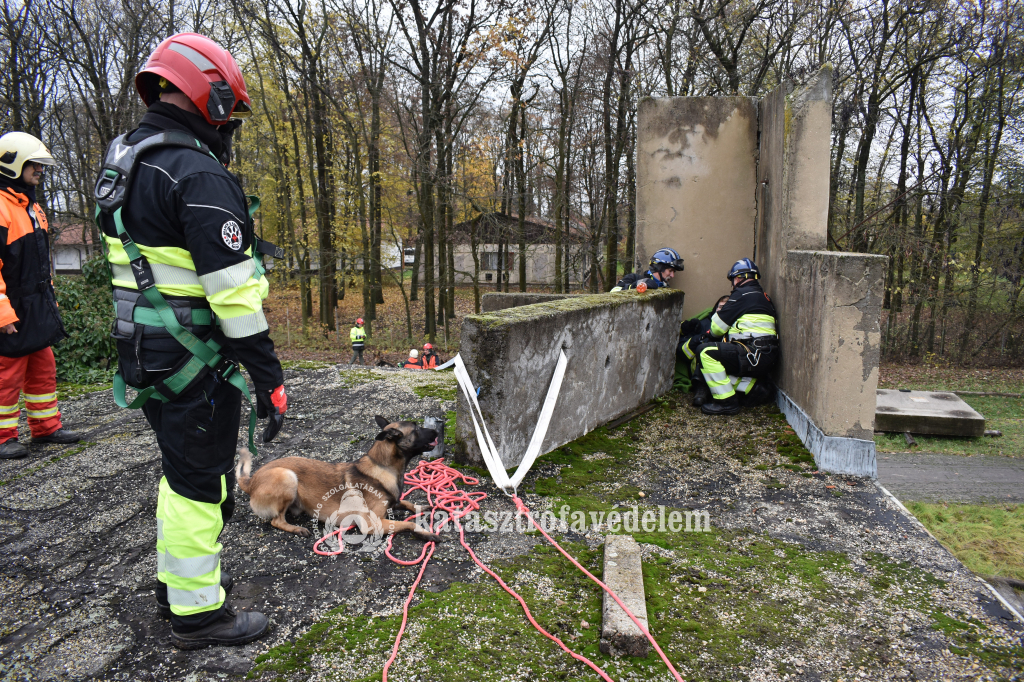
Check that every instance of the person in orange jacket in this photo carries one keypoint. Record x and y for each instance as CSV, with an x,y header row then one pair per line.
x,y
414,361
429,358
29,320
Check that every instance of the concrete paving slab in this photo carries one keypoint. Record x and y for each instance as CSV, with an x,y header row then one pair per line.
x,y
927,412
622,573
929,477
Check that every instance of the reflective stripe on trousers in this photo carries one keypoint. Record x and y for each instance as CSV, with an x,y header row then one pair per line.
x,y
188,554
719,383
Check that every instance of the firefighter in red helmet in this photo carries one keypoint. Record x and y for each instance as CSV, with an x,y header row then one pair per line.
x,y
357,335
188,277
429,357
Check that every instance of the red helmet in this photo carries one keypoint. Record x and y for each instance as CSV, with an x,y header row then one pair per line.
x,y
359,321
428,346
203,70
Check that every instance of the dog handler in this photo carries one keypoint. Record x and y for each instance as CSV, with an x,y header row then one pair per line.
x,y
357,335
29,320
665,263
750,348
188,289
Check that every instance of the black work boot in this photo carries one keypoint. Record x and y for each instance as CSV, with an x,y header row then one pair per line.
x,y
730,405
231,629
12,449
164,607
701,394
61,436
760,394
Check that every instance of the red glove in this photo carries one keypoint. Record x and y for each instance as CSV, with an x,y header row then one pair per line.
x,y
280,399
272,405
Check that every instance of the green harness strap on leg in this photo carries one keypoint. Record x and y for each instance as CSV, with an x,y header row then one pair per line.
x,y
203,353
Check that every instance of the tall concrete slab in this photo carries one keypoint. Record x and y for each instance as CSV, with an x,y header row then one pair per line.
x,y
829,302
695,167
511,354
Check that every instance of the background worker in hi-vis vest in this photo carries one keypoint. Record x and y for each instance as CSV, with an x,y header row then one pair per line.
x,y
185,217
29,320
357,335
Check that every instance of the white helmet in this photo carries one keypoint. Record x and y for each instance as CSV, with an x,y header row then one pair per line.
x,y
17,148
414,353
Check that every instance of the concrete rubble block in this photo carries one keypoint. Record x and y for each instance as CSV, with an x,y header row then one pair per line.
x,y
623,575
493,302
621,352
926,412
695,165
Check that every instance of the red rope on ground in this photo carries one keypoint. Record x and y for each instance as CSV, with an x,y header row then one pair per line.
x,y
525,510
438,481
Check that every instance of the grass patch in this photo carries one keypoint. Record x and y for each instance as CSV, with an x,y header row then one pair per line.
x,y
1001,414
79,447
305,365
69,391
928,378
589,467
987,539
471,629
439,391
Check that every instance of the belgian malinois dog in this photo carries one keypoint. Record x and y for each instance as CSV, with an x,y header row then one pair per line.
x,y
360,491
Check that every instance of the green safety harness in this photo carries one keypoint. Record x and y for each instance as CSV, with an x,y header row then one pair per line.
x,y
111,193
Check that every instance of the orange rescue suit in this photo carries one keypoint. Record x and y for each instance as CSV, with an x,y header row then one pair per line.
x,y
27,298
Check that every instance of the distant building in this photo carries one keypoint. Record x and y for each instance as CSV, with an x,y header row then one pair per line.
x,y
540,250
72,247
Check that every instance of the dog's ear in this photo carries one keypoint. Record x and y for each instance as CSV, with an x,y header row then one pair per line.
x,y
381,421
390,434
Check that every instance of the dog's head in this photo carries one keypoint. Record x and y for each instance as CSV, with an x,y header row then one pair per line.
x,y
409,438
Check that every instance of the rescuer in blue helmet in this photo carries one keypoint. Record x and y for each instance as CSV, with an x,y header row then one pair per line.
x,y
742,346
665,263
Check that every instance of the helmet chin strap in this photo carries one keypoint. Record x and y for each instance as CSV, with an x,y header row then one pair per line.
x,y
226,133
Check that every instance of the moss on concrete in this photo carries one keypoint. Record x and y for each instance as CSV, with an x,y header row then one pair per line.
x,y
538,311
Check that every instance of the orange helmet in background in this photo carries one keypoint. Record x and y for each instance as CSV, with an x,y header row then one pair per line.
x,y
359,321
203,70
428,346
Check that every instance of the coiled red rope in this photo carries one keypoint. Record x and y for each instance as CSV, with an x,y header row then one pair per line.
x,y
438,481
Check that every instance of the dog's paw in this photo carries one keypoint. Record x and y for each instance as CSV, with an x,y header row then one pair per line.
x,y
303,532
431,537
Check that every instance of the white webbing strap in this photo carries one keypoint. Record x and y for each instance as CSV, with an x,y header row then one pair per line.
x,y
483,437
445,365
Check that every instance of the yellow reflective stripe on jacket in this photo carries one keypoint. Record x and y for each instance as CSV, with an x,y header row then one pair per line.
x,y
173,269
230,277
753,325
718,327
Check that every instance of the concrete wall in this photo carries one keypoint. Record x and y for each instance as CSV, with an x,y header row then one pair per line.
x,y
695,166
490,303
511,356
831,304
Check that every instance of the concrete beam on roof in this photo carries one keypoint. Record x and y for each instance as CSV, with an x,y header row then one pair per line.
x,y
623,575
933,413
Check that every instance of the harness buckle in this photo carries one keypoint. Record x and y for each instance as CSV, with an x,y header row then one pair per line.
x,y
143,273
224,369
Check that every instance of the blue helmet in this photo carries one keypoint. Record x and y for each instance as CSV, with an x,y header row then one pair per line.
x,y
744,266
666,258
